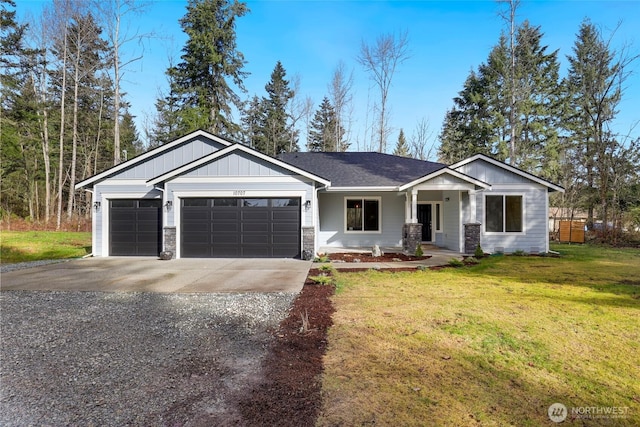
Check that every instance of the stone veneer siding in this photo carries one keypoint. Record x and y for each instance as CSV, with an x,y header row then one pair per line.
x,y
308,243
170,240
411,237
471,237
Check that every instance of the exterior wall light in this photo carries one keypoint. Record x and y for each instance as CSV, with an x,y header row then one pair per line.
x,y
96,206
307,205
168,204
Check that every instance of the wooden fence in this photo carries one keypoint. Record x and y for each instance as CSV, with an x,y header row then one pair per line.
x,y
572,231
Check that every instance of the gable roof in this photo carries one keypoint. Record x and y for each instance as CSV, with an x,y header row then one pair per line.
x,y
231,149
151,153
362,169
550,185
448,171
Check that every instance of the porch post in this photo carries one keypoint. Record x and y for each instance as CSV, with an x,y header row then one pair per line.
x,y
414,206
472,205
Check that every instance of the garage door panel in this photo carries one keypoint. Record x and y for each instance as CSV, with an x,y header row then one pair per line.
x,y
255,227
225,227
285,215
284,228
255,215
225,215
243,227
196,214
227,239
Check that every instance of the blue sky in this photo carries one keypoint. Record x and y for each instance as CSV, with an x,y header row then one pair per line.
x,y
447,39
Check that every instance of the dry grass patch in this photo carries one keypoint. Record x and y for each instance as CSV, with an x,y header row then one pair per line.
x,y
494,344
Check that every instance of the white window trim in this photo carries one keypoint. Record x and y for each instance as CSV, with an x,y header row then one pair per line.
x,y
504,216
363,198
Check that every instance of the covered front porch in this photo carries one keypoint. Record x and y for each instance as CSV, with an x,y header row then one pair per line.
x,y
441,210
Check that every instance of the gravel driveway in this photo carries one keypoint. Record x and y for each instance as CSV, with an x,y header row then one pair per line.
x,y
93,358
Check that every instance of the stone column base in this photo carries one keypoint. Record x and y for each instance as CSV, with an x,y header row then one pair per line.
x,y
169,241
308,243
411,237
471,237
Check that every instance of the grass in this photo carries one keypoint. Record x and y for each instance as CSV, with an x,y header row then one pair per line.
x,y
492,344
23,246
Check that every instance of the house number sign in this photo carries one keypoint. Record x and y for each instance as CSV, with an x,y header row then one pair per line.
x,y
239,192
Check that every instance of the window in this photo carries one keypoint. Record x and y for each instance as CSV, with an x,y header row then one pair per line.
x,y
503,214
438,216
362,214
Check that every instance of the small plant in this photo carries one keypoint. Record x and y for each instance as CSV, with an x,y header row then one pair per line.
x,y
419,251
321,258
304,328
454,262
322,280
327,268
519,252
479,253
471,260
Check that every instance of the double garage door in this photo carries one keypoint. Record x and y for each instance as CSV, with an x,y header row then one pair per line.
x,y
240,228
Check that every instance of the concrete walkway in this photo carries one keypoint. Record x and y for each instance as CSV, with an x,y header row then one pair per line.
x,y
145,274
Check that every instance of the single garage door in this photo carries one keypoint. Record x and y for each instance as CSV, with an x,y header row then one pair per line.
x,y
135,227
240,228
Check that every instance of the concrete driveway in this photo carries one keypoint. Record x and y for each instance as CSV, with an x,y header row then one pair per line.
x,y
137,274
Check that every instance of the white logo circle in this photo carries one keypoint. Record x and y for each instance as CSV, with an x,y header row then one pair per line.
x,y
557,412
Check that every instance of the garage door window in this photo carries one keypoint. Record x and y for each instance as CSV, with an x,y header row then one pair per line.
x,y
225,203
256,203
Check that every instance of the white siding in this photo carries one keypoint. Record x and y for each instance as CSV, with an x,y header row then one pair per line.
x,y
451,220
332,217
490,173
169,160
535,220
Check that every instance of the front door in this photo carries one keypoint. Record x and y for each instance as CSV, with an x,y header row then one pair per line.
x,y
424,218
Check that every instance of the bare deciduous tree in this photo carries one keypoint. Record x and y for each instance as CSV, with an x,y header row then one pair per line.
x,y
419,141
340,96
380,61
114,12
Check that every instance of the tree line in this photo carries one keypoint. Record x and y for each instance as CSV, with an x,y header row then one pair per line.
x,y
64,116
517,108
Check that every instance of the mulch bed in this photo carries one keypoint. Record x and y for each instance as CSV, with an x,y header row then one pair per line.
x,y
290,392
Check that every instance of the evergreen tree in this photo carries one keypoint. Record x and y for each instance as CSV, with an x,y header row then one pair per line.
x,y
402,148
322,133
275,134
468,128
512,116
594,90
211,64
252,119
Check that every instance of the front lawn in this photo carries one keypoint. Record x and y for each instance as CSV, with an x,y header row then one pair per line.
x,y
23,246
493,344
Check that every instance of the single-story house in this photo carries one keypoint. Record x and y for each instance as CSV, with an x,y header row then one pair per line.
x,y
204,196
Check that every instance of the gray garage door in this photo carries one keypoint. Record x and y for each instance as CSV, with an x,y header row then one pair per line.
x,y
135,227
240,228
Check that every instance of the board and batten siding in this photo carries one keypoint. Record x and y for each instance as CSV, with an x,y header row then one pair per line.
x,y
492,174
332,221
238,164
171,159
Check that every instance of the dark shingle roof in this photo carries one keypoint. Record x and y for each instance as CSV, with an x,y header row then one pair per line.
x,y
354,169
